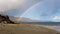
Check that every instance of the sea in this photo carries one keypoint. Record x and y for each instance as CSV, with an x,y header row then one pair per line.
x,y
43,23
54,24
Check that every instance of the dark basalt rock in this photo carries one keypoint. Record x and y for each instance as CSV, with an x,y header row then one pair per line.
x,y
5,19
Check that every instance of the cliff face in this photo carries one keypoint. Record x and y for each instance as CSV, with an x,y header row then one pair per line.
x,y
5,19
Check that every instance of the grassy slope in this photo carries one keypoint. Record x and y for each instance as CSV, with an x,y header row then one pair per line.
x,y
24,29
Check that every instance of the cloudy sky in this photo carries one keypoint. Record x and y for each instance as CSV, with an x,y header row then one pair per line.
x,y
34,9
16,7
44,10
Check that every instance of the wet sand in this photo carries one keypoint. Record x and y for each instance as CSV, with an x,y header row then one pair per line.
x,y
25,29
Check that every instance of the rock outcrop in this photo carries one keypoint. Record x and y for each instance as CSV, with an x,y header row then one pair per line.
x,y
5,19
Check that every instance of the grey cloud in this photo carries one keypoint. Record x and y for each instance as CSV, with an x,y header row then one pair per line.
x,y
16,7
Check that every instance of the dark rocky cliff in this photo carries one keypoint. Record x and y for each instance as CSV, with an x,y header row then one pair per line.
x,y
5,19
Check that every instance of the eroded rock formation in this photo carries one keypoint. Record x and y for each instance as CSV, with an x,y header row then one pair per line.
x,y
5,19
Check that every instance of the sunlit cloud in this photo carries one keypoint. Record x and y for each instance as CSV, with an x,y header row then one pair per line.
x,y
11,4
56,18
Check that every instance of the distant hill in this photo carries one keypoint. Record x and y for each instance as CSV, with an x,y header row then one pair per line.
x,y
7,18
32,21
16,19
